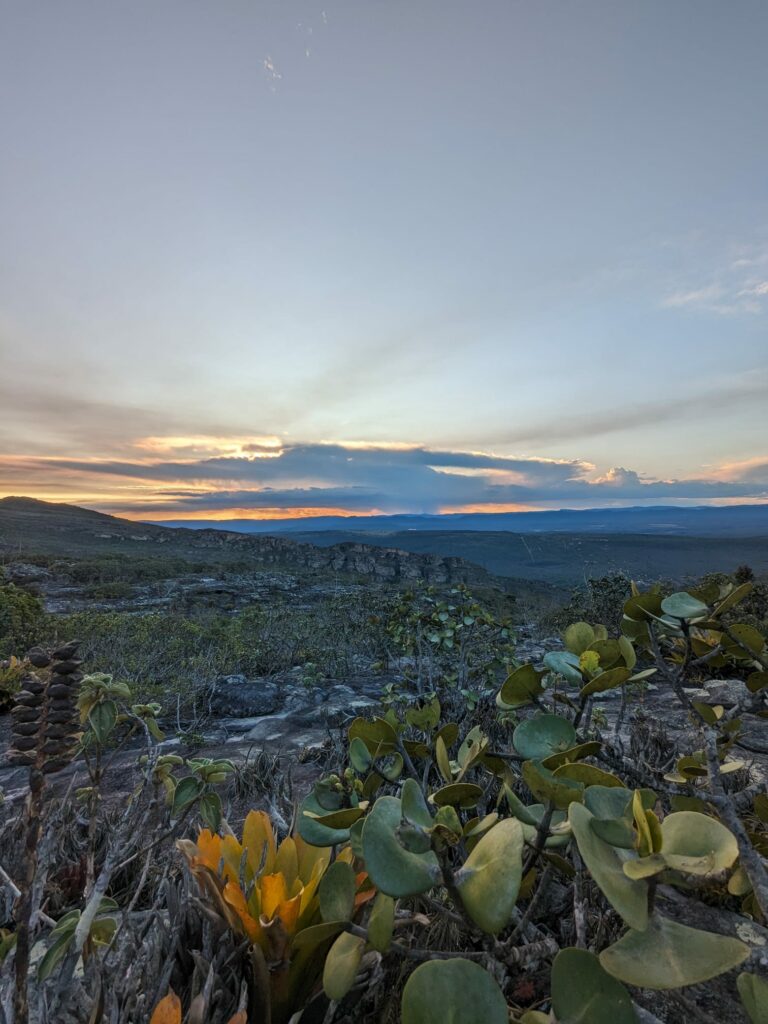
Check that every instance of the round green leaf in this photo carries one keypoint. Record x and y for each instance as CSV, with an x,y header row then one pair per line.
x,y
545,786
683,606
458,794
564,663
489,881
608,651
341,819
54,955
688,834
640,606
577,753
521,686
389,766
627,652
606,681
454,991
543,735
748,637
757,681
588,774
315,832
393,869
731,600
414,806
378,735
578,637
671,955
210,810
608,802
583,993
359,755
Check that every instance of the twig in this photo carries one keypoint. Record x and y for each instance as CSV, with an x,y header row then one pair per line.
x,y
750,859
579,904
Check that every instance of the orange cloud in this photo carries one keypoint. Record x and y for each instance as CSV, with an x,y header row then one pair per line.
x,y
224,515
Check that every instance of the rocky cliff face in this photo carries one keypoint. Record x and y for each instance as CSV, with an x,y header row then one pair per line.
x,y
386,564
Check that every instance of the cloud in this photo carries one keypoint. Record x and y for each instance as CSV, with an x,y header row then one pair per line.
x,y
357,478
742,390
735,287
697,297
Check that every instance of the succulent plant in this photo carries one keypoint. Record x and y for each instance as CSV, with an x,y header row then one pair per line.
x,y
393,868
270,893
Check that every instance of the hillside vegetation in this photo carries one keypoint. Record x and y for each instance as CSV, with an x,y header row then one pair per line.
x,y
251,791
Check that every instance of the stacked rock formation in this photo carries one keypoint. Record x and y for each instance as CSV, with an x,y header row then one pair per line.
x,y
45,719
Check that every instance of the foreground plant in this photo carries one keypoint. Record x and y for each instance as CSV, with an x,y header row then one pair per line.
x,y
287,899
430,859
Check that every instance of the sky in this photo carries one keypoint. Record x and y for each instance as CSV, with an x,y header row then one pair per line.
x,y
272,258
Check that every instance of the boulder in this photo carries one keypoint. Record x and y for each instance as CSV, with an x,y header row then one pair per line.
x,y
239,697
726,691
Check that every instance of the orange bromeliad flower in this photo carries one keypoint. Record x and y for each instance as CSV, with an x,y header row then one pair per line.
x,y
270,889
269,893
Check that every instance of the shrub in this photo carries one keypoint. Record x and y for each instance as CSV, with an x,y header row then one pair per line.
x,y
21,619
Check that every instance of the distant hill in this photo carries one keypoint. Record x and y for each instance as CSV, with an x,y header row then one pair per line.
x,y
663,520
480,557
29,526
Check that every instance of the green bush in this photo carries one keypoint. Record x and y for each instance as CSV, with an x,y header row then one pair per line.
x,y
21,619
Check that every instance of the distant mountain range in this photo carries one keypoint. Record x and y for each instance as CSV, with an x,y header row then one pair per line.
x,y
663,520
559,549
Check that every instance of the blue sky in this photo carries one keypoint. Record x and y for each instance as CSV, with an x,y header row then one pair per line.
x,y
424,255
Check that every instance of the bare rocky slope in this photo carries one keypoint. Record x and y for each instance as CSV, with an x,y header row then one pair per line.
x,y
31,526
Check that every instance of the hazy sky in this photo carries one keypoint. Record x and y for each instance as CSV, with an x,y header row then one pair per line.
x,y
531,231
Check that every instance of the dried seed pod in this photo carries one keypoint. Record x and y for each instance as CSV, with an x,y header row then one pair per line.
x,y
59,731
24,743
39,658
22,714
19,758
25,728
59,690
65,678
62,716
29,700
60,706
53,746
66,651
65,668
44,729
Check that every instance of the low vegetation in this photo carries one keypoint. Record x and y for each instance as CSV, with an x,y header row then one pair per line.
x,y
483,849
